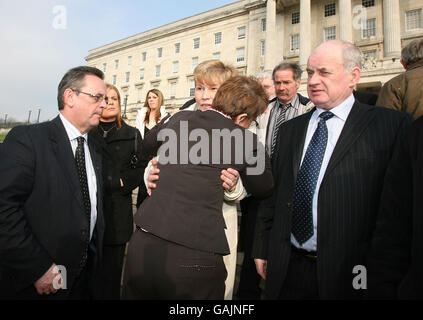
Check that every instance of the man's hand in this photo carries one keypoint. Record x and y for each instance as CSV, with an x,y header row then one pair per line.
x,y
44,285
261,266
229,178
153,175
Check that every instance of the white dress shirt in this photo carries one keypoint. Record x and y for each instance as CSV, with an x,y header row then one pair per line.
x,y
335,126
73,134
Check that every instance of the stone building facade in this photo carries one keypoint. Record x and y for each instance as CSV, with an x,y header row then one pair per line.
x,y
253,36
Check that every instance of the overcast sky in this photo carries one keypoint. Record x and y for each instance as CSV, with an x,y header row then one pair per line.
x,y
36,51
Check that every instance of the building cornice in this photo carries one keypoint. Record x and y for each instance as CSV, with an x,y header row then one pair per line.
x,y
229,11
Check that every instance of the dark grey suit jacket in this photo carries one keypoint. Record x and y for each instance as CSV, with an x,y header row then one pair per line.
x,y
347,204
395,263
42,216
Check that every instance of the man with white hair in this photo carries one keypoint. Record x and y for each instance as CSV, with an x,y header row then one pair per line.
x,y
404,92
266,81
329,169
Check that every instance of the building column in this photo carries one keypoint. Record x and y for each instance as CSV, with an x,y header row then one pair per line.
x,y
345,20
391,29
305,31
270,58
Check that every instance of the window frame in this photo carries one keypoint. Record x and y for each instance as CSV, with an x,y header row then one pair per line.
x,y
328,12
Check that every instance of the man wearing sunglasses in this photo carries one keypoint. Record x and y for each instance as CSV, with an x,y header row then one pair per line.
x,y
51,221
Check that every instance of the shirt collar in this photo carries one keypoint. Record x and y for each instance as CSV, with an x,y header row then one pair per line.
x,y
342,110
293,102
71,130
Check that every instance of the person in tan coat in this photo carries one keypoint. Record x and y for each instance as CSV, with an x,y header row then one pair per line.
x,y
404,92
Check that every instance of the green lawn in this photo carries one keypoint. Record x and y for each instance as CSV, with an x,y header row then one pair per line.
x,y
2,136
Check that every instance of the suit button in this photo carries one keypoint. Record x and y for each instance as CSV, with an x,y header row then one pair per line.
x,y
288,204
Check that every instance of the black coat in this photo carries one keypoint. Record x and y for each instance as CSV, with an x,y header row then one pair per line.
x,y
118,150
395,266
348,199
42,216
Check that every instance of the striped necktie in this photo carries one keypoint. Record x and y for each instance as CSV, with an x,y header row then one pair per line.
x,y
280,119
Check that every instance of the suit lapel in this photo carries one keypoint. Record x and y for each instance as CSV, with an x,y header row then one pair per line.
x,y
358,119
63,151
299,136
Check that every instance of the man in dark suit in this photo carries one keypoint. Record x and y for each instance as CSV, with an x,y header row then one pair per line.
x,y
328,168
395,266
51,216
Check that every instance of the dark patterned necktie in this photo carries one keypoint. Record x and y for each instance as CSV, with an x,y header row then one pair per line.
x,y
279,121
82,175
302,219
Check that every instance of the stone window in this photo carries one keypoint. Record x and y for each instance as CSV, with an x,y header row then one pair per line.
x,y
369,29
295,42
263,24
241,33
192,88
368,3
194,63
330,9
413,19
175,66
330,33
240,54
295,18
218,38
172,90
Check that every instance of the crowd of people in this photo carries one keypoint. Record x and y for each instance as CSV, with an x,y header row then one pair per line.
x,y
325,183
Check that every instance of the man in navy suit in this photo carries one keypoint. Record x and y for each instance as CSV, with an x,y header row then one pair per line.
x,y
328,167
51,215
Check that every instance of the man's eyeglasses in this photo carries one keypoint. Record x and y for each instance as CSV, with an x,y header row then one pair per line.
x,y
96,97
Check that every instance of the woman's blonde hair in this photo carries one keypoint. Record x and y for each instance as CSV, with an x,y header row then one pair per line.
x,y
119,116
159,94
213,72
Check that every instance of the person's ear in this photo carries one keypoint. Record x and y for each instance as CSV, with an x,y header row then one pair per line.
x,y
239,118
68,97
355,74
403,64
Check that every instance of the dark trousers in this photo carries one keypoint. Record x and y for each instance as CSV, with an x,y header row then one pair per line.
x,y
110,274
159,269
301,278
248,288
